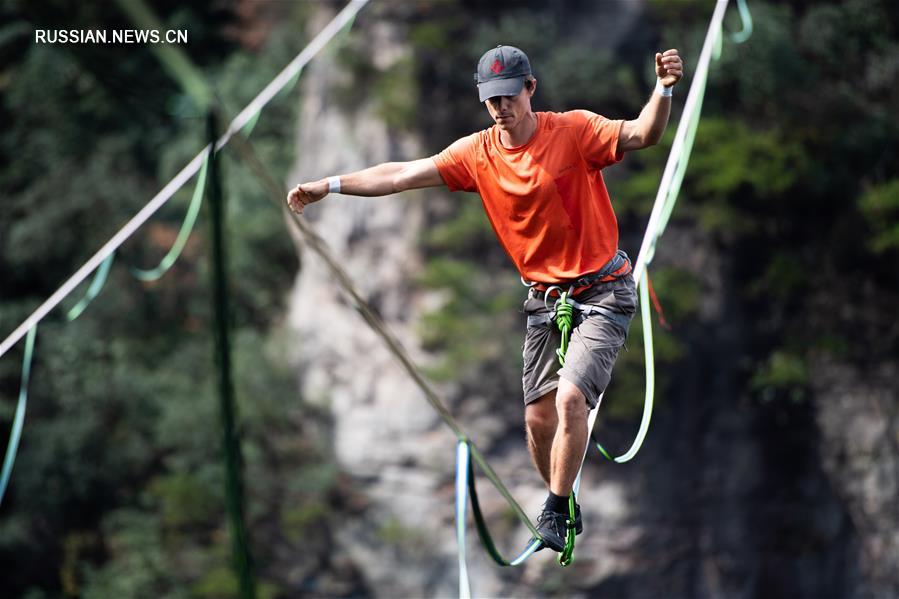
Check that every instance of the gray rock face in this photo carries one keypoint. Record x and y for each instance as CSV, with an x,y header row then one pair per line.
x,y
385,435
859,424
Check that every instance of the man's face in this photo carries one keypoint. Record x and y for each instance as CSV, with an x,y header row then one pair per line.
x,y
508,111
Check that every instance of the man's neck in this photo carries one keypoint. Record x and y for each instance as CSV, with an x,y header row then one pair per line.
x,y
521,134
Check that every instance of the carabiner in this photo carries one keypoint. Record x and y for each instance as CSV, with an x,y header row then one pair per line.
x,y
546,296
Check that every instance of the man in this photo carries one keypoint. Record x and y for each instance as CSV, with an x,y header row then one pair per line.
x,y
539,178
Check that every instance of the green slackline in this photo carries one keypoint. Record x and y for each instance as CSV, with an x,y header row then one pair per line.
x,y
187,226
15,434
93,290
465,478
667,198
741,36
646,317
231,450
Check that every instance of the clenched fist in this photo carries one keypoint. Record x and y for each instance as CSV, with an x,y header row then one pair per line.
x,y
669,67
306,193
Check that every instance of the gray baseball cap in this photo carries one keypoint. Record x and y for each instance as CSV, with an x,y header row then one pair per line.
x,y
501,72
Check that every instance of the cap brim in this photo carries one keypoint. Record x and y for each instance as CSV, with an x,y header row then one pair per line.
x,y
500,87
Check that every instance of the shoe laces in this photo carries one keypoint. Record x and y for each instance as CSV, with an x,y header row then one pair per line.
x,y
555,519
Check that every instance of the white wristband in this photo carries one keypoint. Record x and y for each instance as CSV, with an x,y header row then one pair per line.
x,y
333,184
663,91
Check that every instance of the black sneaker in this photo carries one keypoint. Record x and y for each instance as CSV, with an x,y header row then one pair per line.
x,y
552,528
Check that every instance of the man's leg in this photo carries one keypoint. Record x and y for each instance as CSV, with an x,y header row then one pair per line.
x,y
557,451
570,438
557,435
541,420
592,351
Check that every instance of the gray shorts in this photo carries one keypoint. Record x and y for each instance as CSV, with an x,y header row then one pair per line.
x,y
593,348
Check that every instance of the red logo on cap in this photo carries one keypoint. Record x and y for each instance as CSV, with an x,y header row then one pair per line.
x,y
497,67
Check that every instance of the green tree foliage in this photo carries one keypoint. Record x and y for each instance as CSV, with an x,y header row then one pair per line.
x,y
880,206
118,488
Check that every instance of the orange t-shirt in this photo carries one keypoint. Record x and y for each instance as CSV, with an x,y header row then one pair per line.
x,y
546,199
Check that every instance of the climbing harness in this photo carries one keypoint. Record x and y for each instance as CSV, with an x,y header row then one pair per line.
x,y
563,310
608,271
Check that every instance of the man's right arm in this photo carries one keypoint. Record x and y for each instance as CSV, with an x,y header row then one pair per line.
x,y
380,180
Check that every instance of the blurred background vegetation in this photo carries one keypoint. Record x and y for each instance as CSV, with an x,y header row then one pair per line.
x,y
118,488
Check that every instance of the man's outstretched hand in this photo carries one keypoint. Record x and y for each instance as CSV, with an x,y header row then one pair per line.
x,y
669,67
306,193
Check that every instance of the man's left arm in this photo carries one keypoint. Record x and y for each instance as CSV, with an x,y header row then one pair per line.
x,y
647,129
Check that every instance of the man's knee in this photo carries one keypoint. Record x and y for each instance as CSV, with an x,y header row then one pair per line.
x,y
571,404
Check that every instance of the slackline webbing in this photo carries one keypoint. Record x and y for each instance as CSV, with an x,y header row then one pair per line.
x,y
154,274
93,289
231,450
18,421
187,226
666,197
264,97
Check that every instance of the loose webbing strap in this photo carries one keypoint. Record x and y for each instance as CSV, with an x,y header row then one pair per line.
x,y
19,420
465,478
93,289
661,212
609,269
585,310
462,467
187,226
650,384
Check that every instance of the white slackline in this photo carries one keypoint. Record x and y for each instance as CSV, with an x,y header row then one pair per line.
x,y
264,97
